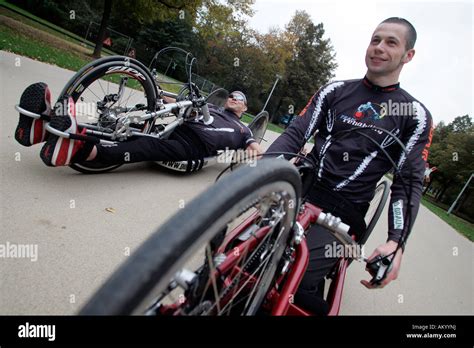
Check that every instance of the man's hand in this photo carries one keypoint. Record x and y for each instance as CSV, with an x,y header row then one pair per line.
x,y
168,100
254,150
386,249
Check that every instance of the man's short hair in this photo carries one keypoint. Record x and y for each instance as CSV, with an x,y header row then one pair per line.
x,y
411,35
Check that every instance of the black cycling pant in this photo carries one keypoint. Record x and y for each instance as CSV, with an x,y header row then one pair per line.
x,y
182,145
319,239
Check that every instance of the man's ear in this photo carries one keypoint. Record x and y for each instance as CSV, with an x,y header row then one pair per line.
x,y
245,108
408,56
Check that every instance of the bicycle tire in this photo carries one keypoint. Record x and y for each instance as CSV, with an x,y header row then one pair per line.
x,y
95,71
164,252
383,187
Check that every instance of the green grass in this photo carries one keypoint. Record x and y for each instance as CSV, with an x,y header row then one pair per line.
x,y
460,225
30,19
24,45
20,44
275,128
247,118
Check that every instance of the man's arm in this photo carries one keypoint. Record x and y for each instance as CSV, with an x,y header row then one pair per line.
x,y
417,140
305,125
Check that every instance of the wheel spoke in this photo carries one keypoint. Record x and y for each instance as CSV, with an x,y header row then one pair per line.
x,y
100,84
213,277
263,242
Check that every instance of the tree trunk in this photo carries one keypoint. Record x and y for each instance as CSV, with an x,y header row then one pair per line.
x,y
463,199
103,28
275,119
427,187
444,187
441,193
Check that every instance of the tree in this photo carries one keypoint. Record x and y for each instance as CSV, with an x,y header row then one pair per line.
x,y
452,153
278,48
462,124
310,66
220,20
103,28
131,16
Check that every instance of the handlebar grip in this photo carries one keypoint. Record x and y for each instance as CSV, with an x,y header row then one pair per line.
x,y
379,267
336,226
208,119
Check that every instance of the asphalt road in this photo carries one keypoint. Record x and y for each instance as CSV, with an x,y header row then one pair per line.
x,y
80,242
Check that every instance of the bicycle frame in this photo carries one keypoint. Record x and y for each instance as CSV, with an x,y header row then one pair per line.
x,y
126,130
279,302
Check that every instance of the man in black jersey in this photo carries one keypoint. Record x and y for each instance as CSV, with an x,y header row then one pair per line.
x,y
191,141
350,168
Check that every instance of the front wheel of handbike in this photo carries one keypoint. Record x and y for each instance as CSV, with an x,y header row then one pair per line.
x,y
106,89
220,255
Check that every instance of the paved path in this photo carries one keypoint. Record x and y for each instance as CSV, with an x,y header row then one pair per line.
x,y
80,243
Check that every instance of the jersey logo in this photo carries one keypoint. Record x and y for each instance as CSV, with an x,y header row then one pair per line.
x,y
397,207
369,110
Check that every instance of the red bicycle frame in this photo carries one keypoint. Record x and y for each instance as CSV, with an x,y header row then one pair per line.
x,y
280,302
279,298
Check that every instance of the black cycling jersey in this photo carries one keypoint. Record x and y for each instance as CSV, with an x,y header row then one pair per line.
x,y
226,131
353,165
190,141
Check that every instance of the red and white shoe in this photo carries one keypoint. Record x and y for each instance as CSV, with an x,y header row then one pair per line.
x,y
59,151
35,98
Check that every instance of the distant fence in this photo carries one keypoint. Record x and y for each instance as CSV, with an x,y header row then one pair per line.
x,y
114,40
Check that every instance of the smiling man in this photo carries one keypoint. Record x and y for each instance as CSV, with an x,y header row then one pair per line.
x,y
351,168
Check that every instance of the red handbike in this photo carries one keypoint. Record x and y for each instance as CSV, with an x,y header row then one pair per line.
x,y
237,249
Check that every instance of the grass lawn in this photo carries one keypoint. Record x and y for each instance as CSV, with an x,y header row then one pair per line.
x,y
21,44
30,19
25,37
247,118
462,226
24,44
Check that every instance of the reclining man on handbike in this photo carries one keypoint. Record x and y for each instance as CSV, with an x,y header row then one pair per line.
x,y
192,140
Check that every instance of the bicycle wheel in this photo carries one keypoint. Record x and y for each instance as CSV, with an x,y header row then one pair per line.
x,y
375,210
218,256
107,89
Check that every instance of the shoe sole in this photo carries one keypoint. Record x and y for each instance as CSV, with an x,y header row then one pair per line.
x,y
58,151
35,98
